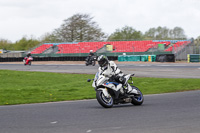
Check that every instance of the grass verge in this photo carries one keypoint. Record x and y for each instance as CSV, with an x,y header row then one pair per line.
x,y
21,87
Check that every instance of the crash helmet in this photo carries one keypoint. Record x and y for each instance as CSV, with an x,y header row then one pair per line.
x,y
102,60
91,51
29,54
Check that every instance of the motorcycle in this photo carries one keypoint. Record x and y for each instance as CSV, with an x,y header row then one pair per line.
x,y
90,61
27,60
109,92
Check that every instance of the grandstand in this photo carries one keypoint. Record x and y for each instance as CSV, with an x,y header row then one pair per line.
x,y
177,44
112,46
41,48
77,51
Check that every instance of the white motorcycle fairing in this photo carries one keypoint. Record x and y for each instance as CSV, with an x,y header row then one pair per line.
x,y
102,82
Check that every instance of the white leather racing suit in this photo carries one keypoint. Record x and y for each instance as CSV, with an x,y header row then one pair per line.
x,y
112,70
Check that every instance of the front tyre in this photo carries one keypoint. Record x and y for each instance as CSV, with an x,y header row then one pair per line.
x,y
86,63
137,99
93,63
103,100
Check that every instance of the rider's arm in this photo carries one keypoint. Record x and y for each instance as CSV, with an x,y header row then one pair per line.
x,y
118,74
114,67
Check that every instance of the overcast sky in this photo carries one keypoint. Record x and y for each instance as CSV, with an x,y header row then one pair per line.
x,y
37,17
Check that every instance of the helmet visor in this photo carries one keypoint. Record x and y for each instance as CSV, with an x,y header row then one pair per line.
x,y
102,63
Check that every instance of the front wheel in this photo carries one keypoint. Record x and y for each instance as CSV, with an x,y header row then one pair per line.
x,y
93,63
103,100
86,63
137,99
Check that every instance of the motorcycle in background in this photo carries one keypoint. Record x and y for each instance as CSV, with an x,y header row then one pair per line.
x,y
90,61
109,92
27,60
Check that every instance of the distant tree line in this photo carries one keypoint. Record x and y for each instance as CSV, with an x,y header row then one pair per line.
x,y
82,28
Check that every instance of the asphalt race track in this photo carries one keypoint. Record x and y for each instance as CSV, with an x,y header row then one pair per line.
x,y
163,70
162,113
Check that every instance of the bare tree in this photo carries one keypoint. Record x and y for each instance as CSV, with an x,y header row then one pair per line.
x,y
78,28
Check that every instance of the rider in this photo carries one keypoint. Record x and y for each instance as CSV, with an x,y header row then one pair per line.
x,y
28,55
90,55
26,58
111,70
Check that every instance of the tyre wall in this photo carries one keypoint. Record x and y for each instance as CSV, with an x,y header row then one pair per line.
x,y
193,57
149,58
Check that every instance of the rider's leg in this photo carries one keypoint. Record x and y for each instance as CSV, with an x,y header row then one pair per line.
x,y
130,89
122,80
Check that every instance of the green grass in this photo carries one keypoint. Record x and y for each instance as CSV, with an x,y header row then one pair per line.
x,y
20,87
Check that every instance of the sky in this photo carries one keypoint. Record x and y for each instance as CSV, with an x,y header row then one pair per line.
x,y
34,18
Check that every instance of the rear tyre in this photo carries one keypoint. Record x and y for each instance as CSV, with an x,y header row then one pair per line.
x,y
137,99
103,100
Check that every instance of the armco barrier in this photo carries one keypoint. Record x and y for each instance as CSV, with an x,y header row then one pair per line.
x,y
193,57
11,59
67,58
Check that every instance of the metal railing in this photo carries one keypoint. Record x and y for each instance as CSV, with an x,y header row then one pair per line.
x,y
182,52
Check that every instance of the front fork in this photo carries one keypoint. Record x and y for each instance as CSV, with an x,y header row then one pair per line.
x,y
105,92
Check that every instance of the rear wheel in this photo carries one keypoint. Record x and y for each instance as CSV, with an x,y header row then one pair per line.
x,y
103,100
137,99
